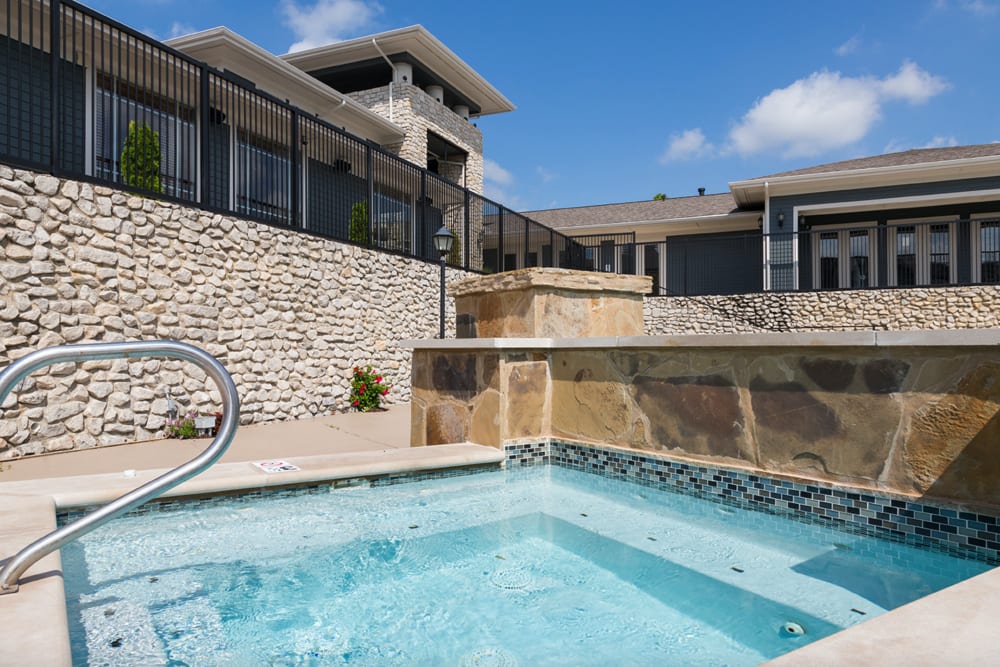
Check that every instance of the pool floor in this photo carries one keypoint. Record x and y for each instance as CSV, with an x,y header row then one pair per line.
x,y
543,566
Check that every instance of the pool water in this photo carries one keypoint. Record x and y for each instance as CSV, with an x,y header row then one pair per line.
x,y
538,566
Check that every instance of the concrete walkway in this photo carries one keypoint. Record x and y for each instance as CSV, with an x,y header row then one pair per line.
x,y
334,434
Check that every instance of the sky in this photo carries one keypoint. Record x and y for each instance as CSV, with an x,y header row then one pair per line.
x,y
619,101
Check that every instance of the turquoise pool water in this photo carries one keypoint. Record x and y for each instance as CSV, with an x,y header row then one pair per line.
x,y
539,566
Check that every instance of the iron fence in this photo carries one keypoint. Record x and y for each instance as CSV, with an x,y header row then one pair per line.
x,y
89,98
897,254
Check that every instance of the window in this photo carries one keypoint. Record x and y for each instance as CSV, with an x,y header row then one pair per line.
x,y
651,265
844,258
986,250
921,254
263,179
118,105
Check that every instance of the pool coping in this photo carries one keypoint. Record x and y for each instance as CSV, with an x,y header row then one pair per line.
x,y
36,617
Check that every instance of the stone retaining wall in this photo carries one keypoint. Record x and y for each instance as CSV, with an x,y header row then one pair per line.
x,y
975,307
288,314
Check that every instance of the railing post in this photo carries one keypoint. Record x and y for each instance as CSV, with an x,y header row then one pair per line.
x,y
294,182
369,163
425,244
467,236
500,217
205,118
527,242
55,44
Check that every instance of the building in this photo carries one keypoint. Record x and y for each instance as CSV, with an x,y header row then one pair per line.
x,y
923,217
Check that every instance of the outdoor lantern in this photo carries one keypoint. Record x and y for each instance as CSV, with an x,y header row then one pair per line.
x,y
443,240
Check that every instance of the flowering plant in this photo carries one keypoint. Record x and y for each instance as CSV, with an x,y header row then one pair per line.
x,y
182,427
367,389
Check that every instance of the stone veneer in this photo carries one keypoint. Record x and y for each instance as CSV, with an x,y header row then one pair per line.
x,y
971,307
417,112
909,413
289,314
549,303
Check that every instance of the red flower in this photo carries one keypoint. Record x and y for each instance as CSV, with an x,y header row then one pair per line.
x,y
385,391
355,404
378,378
363,387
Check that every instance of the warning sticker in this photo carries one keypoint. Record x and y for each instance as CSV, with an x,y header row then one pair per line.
x,y
275,466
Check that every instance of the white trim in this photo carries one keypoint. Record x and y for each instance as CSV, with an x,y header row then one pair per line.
x,y
868,177
912,201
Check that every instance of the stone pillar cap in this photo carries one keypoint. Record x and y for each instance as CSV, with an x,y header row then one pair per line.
x,y
564,279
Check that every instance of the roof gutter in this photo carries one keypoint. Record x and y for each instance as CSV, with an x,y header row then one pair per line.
x,y
392,66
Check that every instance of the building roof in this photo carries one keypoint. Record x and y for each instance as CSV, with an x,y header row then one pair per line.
x,y
421,45
681,208
910,157
226,50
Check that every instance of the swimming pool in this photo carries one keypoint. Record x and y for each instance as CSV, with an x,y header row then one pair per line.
x,y
537,566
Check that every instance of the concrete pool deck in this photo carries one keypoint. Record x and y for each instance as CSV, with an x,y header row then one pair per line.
x,y
954,626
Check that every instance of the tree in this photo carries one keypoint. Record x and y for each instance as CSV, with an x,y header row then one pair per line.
x,y
358,230
140,158
659,196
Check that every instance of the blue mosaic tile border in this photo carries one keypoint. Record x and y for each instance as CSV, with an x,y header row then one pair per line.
x,y
63,517
526,453
961,533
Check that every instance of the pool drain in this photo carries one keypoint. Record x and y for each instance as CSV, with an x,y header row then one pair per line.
x,y
510,579
489,657
792,628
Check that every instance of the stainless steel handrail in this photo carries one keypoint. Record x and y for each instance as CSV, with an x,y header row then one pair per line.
x,y
17,371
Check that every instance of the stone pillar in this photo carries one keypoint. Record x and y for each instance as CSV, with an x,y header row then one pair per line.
x,y
549,303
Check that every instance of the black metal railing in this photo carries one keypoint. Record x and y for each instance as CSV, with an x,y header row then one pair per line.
x,y
960,251
111,105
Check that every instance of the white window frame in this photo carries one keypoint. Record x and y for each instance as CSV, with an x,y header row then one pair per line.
x,y
975,225
922,249
843,232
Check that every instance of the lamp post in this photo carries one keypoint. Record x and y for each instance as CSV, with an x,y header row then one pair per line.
x,y
443,240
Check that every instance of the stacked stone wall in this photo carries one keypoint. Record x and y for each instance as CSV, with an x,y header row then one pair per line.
x,y
967,307
287,313
416,112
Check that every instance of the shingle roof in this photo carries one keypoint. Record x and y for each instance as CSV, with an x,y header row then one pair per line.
x,y
915,156
639,211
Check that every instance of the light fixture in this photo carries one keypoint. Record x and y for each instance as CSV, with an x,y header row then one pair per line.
x,y
781,219
443,241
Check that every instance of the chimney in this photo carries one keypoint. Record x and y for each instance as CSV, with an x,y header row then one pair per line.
x,y
701,192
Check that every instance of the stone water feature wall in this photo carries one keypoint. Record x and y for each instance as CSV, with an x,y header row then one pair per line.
x,y
289,314
910,412
968,307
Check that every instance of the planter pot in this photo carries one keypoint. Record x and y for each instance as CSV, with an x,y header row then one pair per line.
x,y
204,423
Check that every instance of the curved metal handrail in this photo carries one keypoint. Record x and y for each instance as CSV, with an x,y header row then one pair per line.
x,y
17,371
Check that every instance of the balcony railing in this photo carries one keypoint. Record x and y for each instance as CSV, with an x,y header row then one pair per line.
x,y
86,97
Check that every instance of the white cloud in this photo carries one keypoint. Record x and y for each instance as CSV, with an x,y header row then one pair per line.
x,y
496,183
826,110
546,175
980,8
177,29
848,47
327,21
912,84
939,141
493,172
686,145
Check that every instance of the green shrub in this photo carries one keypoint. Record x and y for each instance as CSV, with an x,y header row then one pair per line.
x,y
182,428
367,389
358,231
140,158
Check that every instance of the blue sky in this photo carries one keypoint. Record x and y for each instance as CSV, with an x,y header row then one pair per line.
x,y
619,101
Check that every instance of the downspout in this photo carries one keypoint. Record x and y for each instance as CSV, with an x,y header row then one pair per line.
x,y
393,67
765,230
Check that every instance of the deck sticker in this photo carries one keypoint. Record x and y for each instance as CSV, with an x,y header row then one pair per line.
x,y
275,466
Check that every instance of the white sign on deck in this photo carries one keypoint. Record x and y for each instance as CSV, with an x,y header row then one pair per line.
x,y
275,466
